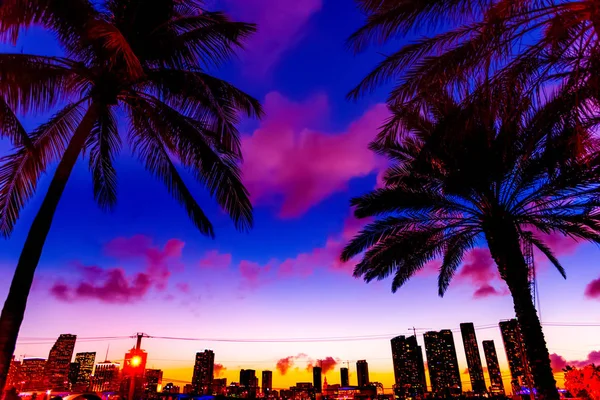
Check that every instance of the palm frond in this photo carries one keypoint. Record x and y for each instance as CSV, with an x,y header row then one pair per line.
x,y
154,154
547,251
103,145
20,171
11,127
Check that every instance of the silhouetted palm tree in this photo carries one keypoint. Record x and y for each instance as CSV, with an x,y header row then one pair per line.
x,y
539,42
122,57
493,168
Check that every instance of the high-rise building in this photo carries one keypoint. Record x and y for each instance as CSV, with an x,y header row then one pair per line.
x,y
106,377
152,379
362,373
73,374
469,338
59,361
515,353
409,368
317,381
493,367
442,363
267,382
32,373
203,375
86,367
345,377
246,377
13,380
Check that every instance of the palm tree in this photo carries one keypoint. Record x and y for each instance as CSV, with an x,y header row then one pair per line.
x,y
540,42
494,168
122,57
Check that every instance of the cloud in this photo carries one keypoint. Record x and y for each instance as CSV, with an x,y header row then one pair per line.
x,y
219,369
281,25
214,259
284,364
253,275
114,285
295,167
559,362
592,290
480,271
327,364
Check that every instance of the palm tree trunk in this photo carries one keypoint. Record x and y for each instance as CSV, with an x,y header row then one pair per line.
x,y
14,306
505,247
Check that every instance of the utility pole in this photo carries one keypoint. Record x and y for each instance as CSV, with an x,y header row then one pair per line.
x,y
134,359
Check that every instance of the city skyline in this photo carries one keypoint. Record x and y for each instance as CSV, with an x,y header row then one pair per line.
x,y
145,268
440,349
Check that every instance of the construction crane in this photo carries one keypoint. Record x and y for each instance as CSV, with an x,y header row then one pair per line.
x,y
529,260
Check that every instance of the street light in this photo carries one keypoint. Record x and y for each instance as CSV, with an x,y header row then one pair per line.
x,y
48,393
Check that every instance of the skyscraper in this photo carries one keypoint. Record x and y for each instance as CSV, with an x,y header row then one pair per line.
x,y
203,375
246,377
14,374
59,360
493,366
86,367
267,382
32,373
317,381
515,353
469,338
73,374
362,372
409,369
345,378
106,377
152,378
442,363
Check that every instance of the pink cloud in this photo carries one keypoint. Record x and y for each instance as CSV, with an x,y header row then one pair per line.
x,y
486,291
559,243
327,364
253,275
592,290
214,259
114,285
281,25
288,162
283,365
559,362
219,369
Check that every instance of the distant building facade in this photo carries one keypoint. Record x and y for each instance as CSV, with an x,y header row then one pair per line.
x,y
362,373
152,380
515,353
344,377
317,379
493,367
106,377
59,362
86,363
469,338
267,382
442,363
33,373
219,387
14,379
203,375
409,368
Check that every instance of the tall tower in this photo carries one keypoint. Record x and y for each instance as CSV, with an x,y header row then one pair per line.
x,y
267,382
362,372
515,352
442,363
317,381
345,378
59,361
86,367
203,375
469,338
409,369
493,366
